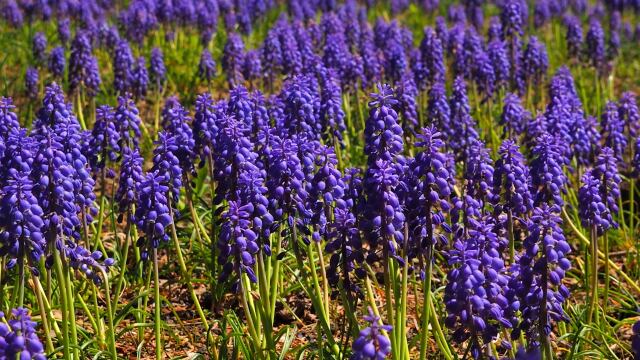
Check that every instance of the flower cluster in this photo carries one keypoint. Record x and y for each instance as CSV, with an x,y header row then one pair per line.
x,y
372,342
18,338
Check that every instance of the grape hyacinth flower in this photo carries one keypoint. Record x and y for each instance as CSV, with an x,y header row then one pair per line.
x,y
104,144
207,66
613,130
331,113
535,61
434,186
593,211
31,82
606,170
383,134
537,281
438,110
57,62
127,118
548,178
500,62
39,47
237,241
18,337
372,342
8,117
83,66
595,47
629,114
432,56
475,293
586,138
139,78
344,241
483,74
166,164
205,126
514,116
463,127
122,67
232,59
512,180
131,176
574,37
252,67
406,93
325,189
87,262
20,214
152,213
157,70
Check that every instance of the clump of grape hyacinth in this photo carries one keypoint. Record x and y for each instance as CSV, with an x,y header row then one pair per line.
x,y
372,342
18,338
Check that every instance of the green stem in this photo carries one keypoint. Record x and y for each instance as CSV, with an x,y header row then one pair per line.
x,y
65,310
112,330
594,275
424,334
156,288
186,275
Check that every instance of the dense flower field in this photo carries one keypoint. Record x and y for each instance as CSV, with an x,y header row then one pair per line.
x,y
319,179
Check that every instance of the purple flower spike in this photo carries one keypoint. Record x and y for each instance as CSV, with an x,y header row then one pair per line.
x,y
157,70
152,213
8,117
372,342
57,62
596,47
463,129
207,66
512,180
536,61
514,116
613,130
233,59
537,278
122,67
31,80
18,337
140,78
547,171
39,47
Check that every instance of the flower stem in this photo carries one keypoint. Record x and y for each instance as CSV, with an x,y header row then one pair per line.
x,y
156,288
